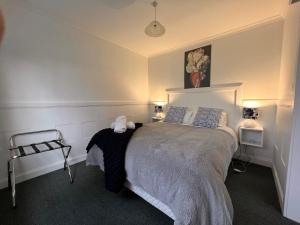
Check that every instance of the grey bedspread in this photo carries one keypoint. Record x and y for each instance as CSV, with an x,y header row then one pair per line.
x,y
185,168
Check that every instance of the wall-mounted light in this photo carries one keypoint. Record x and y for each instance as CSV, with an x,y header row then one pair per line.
x,y
250,104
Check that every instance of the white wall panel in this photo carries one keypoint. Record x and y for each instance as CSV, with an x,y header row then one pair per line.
x,y
77,124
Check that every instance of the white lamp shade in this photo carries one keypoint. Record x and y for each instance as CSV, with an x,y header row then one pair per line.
x,y
155,29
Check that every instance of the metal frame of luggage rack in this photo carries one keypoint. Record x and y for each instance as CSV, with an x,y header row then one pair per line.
x,y
32,149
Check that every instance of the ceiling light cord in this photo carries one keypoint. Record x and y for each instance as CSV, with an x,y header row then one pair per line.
x,y
154,5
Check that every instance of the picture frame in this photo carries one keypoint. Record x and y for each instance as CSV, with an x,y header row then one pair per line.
x,y
197,67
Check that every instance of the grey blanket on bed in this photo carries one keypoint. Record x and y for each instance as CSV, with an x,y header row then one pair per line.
x,y
185,168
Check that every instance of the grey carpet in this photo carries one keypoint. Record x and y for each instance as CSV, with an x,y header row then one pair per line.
x,y
254,197
51,200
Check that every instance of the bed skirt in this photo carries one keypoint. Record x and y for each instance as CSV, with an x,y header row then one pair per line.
x,y
95,158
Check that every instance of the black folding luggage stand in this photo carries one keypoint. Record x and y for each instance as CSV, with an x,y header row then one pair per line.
x,y
31,149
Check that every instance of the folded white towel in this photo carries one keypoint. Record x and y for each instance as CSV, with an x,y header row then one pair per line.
x,y
130,125
112,125
120,124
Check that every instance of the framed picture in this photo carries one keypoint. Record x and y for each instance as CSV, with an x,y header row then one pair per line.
x,y
197,67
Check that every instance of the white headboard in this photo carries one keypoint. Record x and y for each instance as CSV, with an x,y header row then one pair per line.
x,y
222,96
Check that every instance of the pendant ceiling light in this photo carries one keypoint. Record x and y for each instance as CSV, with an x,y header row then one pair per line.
x,y
155,29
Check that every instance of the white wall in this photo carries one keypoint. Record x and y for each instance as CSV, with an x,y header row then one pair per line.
x,y
251,56
286,154
56,76
292,199
57,62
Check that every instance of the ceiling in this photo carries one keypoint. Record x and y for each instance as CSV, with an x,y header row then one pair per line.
x,y
187,21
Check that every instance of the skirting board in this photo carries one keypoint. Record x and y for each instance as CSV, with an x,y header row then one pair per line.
x,y
59,165
278,187
42,170
255,159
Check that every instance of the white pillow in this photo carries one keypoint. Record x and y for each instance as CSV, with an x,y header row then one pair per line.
x,y
223,120
189,117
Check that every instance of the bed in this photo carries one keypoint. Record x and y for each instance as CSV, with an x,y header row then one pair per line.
x,y
181,169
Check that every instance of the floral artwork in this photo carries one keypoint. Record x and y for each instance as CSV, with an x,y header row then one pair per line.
x,y
197,67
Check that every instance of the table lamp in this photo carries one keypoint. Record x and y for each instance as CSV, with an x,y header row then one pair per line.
x,y
158,110
250,115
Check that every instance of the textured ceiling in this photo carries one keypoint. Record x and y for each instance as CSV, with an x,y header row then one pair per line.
x,y
187,21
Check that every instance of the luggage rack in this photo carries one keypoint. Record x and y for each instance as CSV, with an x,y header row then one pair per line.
x,y
32,149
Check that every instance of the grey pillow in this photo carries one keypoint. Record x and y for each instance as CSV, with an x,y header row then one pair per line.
x,y
175,114
207,117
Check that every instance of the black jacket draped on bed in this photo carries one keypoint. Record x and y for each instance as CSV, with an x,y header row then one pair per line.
x,y
114,147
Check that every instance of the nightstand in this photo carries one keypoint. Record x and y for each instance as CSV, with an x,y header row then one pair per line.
x,y
251,136
156,119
